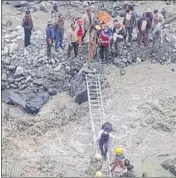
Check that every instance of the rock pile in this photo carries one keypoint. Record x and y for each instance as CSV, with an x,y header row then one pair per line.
x,y
170,165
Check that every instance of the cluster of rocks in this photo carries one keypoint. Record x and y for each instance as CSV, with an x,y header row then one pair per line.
x,y
170,165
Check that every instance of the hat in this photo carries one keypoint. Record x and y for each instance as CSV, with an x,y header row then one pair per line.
x,y
149,10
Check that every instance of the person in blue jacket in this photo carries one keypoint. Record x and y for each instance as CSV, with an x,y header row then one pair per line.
x,y
49,37
27,24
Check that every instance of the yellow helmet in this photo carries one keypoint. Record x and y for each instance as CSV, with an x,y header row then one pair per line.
x,y
98,156
99,174
118,151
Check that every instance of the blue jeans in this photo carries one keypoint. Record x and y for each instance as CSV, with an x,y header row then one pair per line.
x,y
58,40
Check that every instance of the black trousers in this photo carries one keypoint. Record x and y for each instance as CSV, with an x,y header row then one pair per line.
x,y
104,53
85,31
27,37
73,46
49,49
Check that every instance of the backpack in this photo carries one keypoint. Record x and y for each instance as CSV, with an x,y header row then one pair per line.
x,y
105,136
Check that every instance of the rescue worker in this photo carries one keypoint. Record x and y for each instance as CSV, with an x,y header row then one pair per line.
x,y
80,30
104,43
59,32
143,27
92,43
88,21
54,14
129,22
118,161
49,36
27,24
157,29
119,37
72,38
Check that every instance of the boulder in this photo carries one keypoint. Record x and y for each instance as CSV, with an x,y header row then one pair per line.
x,y
170,165
76,83
19,72
4,77
52,91
35,103
81,94
16,99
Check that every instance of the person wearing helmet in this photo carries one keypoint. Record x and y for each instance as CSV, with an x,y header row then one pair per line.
x,y
118,162
49,36
99,174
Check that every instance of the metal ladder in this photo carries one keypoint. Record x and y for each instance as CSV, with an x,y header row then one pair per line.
x,y
97,114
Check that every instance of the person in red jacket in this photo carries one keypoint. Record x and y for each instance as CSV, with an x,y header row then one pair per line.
x,y
80,30
104,42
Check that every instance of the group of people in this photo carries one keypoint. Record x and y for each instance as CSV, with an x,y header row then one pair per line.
x,y
88,29
120,165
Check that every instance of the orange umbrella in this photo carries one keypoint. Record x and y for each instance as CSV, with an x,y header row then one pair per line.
x,y
104,16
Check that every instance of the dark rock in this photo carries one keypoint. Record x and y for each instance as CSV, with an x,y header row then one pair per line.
x,y
118,63
11,68
4,77
6,97
52,91
23,86
3,86
76,83
149,120
122,71
19,72
19,79
11,80
13,86
16,99
170,165
81,94
34,104
173,70
38,82
28,79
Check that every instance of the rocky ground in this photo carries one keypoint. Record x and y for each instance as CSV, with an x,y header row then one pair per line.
x,y
140,104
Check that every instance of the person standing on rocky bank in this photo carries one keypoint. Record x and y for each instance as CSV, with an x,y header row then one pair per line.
x,y
129,22
28,26
49,37
73,43
59,32
88,21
